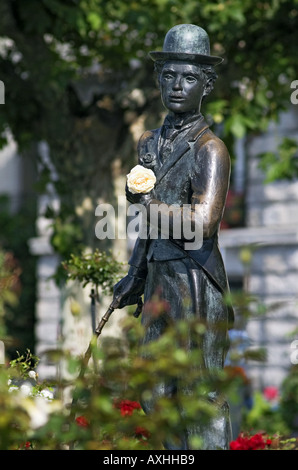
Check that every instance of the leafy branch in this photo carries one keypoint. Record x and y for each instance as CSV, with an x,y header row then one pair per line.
x,y
282,164
99,268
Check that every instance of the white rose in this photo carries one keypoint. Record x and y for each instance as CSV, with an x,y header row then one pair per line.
x,y
47,394
32,374
140,180
26,389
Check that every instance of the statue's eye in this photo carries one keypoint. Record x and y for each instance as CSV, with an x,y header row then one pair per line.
x,y
191,78
167,76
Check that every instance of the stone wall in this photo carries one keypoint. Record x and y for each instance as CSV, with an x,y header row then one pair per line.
x,y
272,232
48,306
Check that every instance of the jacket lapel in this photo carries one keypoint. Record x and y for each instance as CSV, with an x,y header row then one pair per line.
x,y
183,146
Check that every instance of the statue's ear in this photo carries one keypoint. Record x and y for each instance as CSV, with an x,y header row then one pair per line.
x,y
208,86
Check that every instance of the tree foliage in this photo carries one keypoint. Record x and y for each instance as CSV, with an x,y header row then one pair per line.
x,y
51,42
77,76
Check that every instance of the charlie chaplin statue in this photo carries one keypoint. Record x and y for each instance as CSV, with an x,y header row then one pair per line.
x,y
192,167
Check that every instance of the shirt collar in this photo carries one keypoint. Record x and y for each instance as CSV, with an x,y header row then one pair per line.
x,y
180,122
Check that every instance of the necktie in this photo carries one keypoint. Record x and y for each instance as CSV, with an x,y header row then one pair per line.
x,y
168,137
171,129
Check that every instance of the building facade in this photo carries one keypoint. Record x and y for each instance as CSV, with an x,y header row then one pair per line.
x,y
271,274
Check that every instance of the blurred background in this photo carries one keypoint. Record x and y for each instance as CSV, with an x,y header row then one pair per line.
x,y
79,92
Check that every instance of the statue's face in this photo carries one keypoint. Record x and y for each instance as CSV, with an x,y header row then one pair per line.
x,y
182,87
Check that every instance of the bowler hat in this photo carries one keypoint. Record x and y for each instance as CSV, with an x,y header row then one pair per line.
x,y
186,42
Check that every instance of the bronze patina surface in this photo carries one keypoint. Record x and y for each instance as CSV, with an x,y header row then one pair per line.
x,y
192,168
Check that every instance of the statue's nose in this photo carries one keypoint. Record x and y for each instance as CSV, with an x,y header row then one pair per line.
x,y
177,85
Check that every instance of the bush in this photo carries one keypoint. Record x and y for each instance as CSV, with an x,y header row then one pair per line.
x,y
99,406
104,410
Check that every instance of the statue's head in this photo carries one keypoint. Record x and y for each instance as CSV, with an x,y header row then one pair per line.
x,y
185,57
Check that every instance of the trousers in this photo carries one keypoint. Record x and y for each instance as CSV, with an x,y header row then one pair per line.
x,y
188,293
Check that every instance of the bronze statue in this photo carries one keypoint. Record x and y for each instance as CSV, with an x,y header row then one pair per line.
x,y
192,167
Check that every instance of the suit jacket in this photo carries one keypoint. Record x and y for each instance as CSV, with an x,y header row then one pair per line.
x,y
197,171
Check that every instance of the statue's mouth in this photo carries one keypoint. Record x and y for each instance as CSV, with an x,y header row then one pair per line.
x,y
176,98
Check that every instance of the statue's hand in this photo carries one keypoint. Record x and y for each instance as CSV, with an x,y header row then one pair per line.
x,y
138,198
128,291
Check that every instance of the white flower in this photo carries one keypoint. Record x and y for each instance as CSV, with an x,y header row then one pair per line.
x,y
39,410
140,180
26,389
32,374
47,394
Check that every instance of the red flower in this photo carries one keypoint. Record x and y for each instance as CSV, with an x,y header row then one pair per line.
x,y
270,393
127,407
256,442
238,444
82,421
26,445
142,432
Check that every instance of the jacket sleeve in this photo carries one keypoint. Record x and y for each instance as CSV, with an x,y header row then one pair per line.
x,y
210,183
209,178
138,259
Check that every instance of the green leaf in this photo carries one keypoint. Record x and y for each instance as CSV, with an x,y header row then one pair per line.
x,y
235,125
94,20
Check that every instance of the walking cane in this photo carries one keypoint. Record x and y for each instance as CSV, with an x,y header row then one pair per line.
x,y
99,328
114,305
